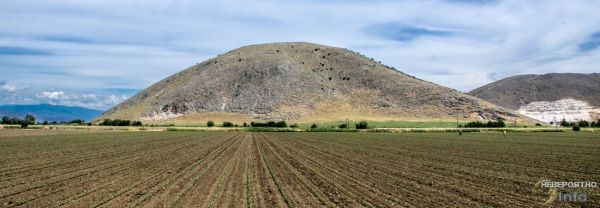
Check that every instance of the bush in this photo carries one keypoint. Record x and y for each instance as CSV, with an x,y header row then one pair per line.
x,y
24,125
362,125
280,124
119,122
564,123
314,126
576,128
295,125
489,124
343,126
227,124
538,124
77,121
583,123
210,123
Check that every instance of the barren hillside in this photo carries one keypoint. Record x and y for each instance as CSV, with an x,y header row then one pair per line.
x,y
299,82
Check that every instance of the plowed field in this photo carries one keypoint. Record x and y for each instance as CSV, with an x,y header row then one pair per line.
x,y
244,169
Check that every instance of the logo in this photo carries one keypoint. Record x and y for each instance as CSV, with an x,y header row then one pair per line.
x,y
566,191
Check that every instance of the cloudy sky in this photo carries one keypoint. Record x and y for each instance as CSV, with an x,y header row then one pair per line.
x,y
96,53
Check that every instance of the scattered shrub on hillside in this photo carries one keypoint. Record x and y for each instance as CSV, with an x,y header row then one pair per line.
x,y
210,123
245,124
295,125
362,125
538,124
343,126
576,128
314,126
279,124
227,124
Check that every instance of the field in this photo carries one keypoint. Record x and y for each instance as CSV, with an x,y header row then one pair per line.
x,y
291,169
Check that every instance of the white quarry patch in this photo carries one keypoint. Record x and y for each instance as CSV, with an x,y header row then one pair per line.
x,y
162,116
555,111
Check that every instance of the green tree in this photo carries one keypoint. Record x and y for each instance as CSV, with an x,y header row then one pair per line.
x,y
210,123
5,120
583,123
227,124
29,119
362,125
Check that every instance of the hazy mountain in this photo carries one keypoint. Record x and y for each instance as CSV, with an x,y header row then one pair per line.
x,y
300,82
49,112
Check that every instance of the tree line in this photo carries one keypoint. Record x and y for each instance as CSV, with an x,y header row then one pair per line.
x,y
582,123
26,121
479,124
120,122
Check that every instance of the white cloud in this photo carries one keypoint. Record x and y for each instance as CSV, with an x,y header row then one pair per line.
x,y
52,95
95,44
4,86
82,100
30,95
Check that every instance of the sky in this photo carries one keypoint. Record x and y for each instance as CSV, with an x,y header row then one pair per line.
x,y
97,53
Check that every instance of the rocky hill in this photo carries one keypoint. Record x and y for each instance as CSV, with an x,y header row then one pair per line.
x,y
547,97
298,82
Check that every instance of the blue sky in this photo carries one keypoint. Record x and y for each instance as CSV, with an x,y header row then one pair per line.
x,y
96,53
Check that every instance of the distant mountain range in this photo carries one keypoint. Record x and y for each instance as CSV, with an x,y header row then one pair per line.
x,y
47,112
